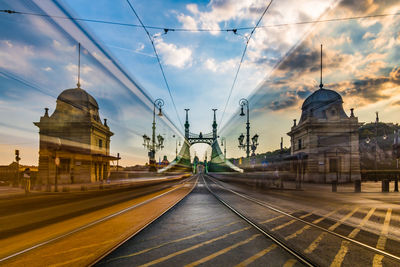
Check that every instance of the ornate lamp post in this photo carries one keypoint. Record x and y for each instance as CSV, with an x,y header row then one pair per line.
x,y
244,102
152,144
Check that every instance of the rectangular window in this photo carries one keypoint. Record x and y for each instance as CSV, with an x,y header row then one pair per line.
x,y
333,165
64,167
299,144
100,143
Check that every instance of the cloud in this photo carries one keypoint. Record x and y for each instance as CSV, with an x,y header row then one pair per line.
x,y
173,55
369,89
307,59
140,47
62,47
47,69
220,67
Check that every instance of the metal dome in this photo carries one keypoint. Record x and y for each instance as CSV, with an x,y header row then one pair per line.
x,y
320,98
79,98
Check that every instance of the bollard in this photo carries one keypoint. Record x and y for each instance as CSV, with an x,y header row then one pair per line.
x,y
357,186
385,185
334,186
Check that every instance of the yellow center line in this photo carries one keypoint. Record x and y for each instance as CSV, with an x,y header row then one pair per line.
x,y
316,242
256,256
290,263
193,247
344,248
222,251
174,241
382,238
300,231
290,222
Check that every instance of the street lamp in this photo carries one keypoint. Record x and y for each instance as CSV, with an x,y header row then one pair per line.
x,y
223,140
254,144
151,144
177,143
240,139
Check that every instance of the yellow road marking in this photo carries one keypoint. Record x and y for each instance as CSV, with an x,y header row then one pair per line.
x,y
222,251
273,219
300,231
377,261
382,238
256,256
174,241
71,261
206,222
290,222
355,231
385,229
344,248
290,263
316,242
193,247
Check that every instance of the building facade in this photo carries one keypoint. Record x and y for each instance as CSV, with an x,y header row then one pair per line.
x,y
325,142
74,143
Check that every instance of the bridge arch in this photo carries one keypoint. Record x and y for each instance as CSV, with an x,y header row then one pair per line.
x,y
217,162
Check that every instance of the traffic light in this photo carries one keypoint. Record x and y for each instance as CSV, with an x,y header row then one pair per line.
x,y
17,158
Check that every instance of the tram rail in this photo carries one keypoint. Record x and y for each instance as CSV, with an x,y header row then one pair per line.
x,y
276,209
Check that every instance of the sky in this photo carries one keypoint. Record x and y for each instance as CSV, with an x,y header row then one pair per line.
x,y
38,60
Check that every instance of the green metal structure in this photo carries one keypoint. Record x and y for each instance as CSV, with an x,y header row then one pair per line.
x,y
217,163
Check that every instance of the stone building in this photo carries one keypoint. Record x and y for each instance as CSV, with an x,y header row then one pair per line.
x,y
74,143
324,144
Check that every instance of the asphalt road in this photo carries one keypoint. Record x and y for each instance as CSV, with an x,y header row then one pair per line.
x,y
199,230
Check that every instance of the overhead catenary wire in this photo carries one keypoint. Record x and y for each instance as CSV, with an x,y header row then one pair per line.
x,y
171,29
158,60
242,58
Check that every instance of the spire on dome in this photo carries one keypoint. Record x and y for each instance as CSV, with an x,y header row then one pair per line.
x,y
79,66
321,84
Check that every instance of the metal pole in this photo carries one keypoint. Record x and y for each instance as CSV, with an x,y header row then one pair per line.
x,y
396,181
376,144
153,141
248,132
56,177
225,150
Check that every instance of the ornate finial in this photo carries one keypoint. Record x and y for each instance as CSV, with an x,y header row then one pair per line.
x,y
352,112
377,117
320,84
79,66
105,122
46,112
294,122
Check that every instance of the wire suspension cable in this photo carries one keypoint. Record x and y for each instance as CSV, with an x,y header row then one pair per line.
x,y
158,60
241,60
167,29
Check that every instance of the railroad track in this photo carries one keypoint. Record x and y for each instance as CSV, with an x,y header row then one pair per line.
x,y
13,259
299,255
